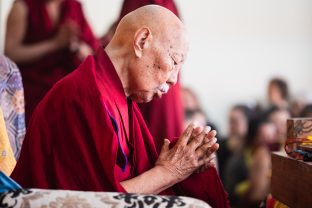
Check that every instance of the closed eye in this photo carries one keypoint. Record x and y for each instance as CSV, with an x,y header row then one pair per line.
x,y
174,61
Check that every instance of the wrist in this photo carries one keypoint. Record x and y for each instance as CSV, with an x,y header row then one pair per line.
x,y
167,176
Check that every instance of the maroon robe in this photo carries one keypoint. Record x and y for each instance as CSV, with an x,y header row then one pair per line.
x,y
86,135
39,76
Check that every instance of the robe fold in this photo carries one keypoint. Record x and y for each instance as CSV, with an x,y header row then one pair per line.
x,y
39,76
86,135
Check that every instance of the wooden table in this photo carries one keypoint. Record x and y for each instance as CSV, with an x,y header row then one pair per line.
x,y
291,181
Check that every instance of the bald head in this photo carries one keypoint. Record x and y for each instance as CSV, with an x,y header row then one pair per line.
x,y
147,50
158,19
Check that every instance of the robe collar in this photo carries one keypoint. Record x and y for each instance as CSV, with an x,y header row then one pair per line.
x,y
109,77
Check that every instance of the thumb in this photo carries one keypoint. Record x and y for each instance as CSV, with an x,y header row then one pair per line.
x,y
165,146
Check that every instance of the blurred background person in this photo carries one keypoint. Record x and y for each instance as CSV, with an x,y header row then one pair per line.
x,y
299,102
307,111
189,99
239,118
194,116
247,174
47,39
278,93
278,116
193,109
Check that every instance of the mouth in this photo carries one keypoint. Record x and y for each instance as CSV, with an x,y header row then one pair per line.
x,y
162,91
163,88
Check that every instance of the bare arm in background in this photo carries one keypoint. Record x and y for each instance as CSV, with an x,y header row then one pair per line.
x,y
15,34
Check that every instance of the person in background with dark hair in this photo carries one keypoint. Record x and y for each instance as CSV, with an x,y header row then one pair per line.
x,y
278,93
278,116
247,174
299,102
194,115
307,111
239,117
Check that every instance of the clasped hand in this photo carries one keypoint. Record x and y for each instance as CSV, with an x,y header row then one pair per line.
x,y
194,151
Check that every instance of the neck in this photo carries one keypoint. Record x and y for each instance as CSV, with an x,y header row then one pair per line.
x,y
120,61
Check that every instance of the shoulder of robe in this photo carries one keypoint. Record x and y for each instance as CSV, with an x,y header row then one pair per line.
x,y
79,88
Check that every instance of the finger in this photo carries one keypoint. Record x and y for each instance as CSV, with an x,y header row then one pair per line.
x,y
197,141
211,141
202,150
210,161
165,146
212,150
196,132
210,135
205,160
185,137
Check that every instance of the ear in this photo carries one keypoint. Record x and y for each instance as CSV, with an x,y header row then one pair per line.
x,y
142,39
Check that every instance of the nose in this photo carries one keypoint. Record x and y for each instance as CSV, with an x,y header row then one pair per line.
x,y
173,78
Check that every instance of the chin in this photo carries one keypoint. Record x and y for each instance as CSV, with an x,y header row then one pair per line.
x,y
141,99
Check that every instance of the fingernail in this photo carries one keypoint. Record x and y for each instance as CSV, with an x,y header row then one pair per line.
x,y
207,129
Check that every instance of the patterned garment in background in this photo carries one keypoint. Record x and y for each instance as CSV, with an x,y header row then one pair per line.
x,y
7,160
12,103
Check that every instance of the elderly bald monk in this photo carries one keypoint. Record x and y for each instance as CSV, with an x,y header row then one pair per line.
x,y
88,133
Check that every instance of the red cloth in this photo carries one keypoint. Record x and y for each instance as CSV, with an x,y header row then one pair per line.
x,y
85,135
39,76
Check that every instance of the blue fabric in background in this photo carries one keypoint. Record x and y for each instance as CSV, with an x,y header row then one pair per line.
x,y
7,184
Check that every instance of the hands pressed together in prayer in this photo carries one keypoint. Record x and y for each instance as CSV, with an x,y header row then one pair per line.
x,y
193,152
68,36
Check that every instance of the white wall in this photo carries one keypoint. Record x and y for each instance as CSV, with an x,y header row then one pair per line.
x,y
4,9
235,47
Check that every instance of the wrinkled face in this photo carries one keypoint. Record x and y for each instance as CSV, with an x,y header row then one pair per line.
x,y
156,71
238,123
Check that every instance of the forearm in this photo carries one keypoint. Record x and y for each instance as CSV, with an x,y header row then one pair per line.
x,y
30,53
152,181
